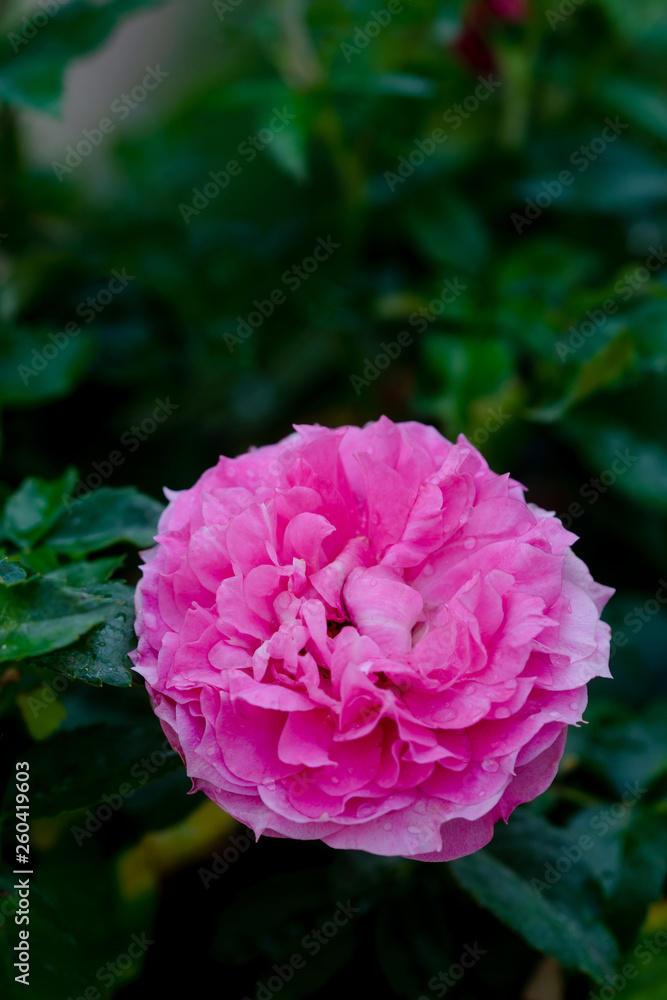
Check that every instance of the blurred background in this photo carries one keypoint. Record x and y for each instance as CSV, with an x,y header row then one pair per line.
x,y
218,219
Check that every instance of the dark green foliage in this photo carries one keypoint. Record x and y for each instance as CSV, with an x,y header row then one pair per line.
x,y
464,281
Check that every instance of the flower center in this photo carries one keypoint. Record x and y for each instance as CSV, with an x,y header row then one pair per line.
x,y
334,627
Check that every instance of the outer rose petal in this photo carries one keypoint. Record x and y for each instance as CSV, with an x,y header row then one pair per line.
x,y
366,636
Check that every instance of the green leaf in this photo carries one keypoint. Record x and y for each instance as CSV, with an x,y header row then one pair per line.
x,y
607,368
41,720
22,383
652,968
627,423
288,148
105,517
548,929
32,76
11,572
563,919
468,376
40,560
634,100
100,657
39,615
627,752
642,874
450,232
75,769
87,572
605,858
30,512
384,84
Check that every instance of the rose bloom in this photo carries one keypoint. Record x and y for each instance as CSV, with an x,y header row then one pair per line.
x,y
365,636
479,17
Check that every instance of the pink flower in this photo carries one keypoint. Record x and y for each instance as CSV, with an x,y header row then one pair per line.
x,y
472,45
365,636
508,10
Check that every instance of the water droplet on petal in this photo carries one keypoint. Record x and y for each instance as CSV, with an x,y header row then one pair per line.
x,y
469,543
419,806
365,811
502,713
554,715
375,519
428,570
574,705
414,829
387,826
334,779
490,765
470,688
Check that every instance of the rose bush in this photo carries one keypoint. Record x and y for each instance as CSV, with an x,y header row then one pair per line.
x,y
366,636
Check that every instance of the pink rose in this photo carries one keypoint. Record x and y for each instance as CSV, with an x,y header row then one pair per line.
x,y
472,45
509,10
365,636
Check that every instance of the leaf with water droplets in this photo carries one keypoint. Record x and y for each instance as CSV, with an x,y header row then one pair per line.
x,y
106,516
33,508
39,615
100,657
